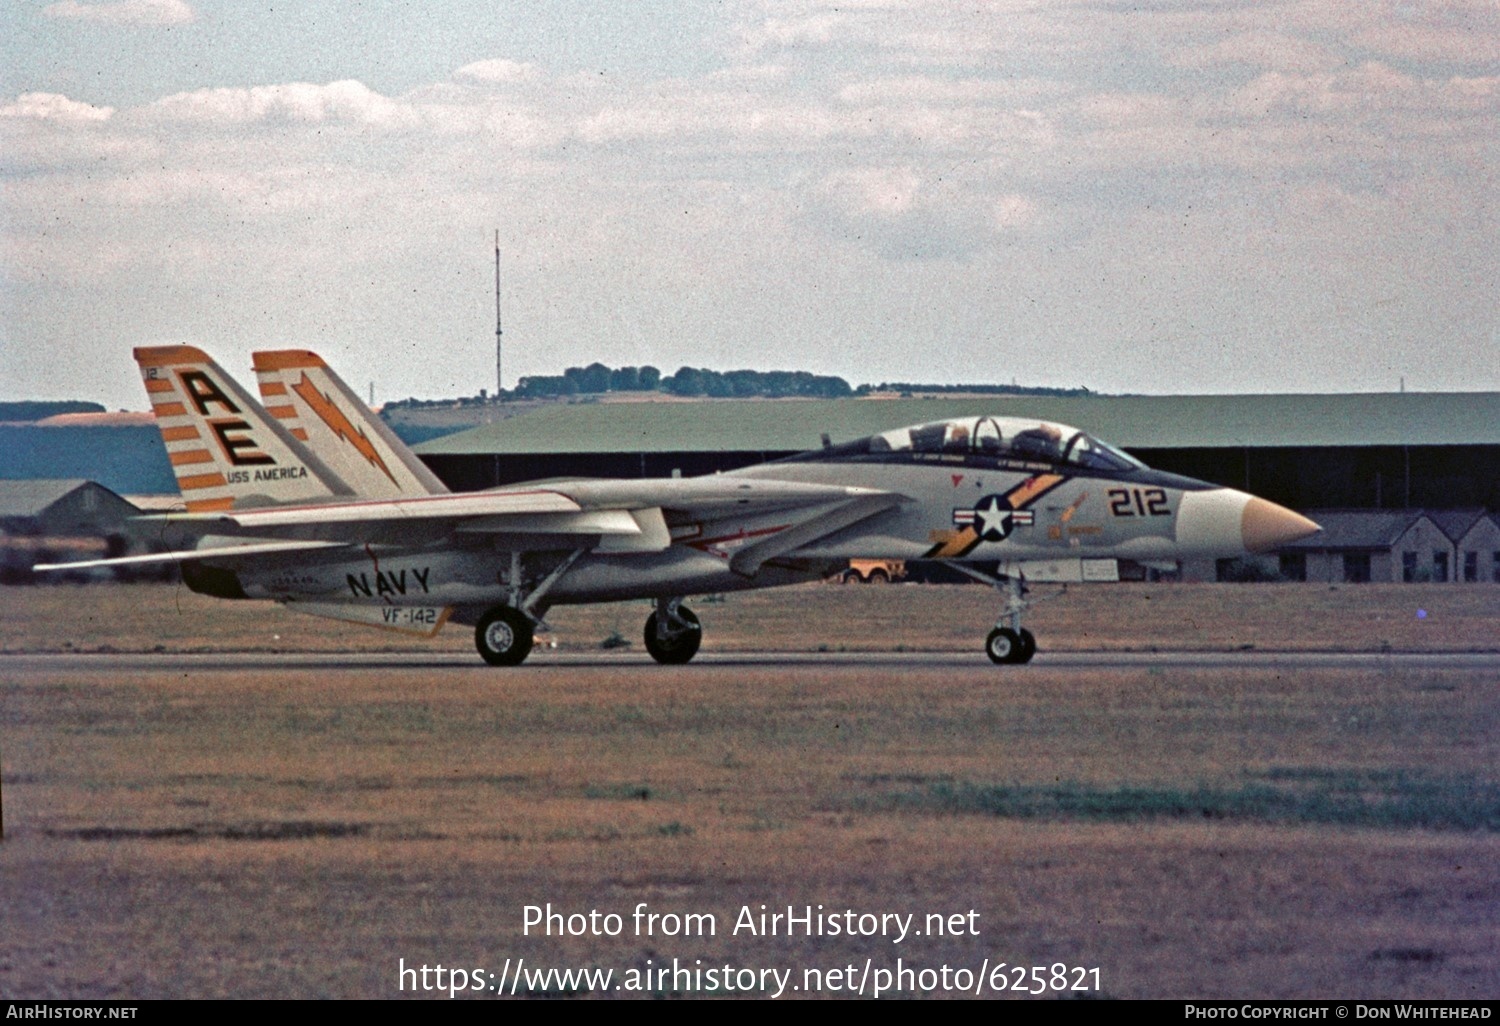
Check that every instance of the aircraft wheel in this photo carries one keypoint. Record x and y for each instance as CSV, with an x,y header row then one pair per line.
x,y
1003,646
503,636
677,648
1028,646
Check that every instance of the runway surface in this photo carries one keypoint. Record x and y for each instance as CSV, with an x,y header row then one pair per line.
x,y
334,661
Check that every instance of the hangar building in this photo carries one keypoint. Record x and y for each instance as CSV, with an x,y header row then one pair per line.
x,y
42,521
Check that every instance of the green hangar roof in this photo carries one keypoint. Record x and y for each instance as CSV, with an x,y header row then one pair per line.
x,y
1139,422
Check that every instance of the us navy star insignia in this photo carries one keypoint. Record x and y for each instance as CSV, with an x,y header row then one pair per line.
x,y
993,518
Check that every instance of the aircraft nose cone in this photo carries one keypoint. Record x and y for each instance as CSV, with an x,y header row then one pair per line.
x,y
1265,526
1222,522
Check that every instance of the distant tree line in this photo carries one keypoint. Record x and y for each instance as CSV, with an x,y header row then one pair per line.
x,y
744,384
903,386
32,410
598,379
594,379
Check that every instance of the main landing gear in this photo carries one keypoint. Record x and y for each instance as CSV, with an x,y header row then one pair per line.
x,y
673,633
505,633
504,636
1009,642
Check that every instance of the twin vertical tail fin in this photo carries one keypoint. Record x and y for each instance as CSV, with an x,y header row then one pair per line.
x,y
226,450
315,406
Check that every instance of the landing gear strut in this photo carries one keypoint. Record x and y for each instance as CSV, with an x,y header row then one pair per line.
x,y
673,633
1009,642
505,633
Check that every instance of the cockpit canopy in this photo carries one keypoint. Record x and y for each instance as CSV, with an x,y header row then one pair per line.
x,y
1015,438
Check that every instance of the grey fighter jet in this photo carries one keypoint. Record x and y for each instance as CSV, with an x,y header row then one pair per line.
x,y
312,502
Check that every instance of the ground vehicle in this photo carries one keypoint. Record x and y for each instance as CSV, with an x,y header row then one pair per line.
x,y
873,571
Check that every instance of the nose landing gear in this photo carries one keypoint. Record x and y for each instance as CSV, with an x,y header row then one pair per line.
x,y
1009,642
1005,645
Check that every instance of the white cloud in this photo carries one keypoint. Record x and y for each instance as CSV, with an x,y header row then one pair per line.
x,y
345,101
903,214
928,89
751,74
917,33
884,192
802,30
1371,88
124,12
940,169
1272,51
499,70
1014,211
1470,37
54,107
630,123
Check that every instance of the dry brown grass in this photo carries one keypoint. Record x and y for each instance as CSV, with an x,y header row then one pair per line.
x,y
191,832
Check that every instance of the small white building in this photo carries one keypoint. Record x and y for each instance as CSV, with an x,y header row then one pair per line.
x,y
1477,551
1396,546
62,520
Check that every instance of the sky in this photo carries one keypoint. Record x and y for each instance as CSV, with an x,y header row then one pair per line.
x,y
1162,196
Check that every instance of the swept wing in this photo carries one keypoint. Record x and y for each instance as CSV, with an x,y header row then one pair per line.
x,y
575,507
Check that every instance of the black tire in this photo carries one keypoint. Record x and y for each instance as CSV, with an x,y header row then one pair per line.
x,y
878,577
1028,646
503,636
681,647
1003,646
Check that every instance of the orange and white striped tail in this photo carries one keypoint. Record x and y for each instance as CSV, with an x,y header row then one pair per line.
x,y
314,404
226,451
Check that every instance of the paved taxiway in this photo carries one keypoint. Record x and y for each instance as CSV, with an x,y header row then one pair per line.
x,y
245,661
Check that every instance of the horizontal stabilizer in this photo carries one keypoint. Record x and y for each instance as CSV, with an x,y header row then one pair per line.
x,y
599,521
622,530
188,555
435,507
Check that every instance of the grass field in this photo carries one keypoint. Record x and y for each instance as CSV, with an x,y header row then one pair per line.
x,y
814,618
270,830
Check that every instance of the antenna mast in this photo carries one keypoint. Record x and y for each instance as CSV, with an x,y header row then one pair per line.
x,y
499,380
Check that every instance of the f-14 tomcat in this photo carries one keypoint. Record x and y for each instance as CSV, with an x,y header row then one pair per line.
x,y
311,501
